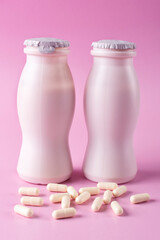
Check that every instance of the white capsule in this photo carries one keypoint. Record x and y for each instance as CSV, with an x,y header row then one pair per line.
x,y
119,191
29,191
91,190
32,201
23,210
57,197
107,196
116,207
107,185
97,203
54,187
83,197
64,213
72,192
139,198
65,202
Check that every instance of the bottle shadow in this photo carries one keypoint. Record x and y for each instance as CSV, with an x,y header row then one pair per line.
x,y
147,175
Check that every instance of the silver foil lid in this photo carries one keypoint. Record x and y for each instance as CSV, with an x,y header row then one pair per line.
x,y
46,45
114,44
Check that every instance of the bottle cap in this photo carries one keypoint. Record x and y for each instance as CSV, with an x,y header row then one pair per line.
x,y
46,45
114,44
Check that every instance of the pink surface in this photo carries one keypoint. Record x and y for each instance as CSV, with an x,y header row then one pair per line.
x,y
82,22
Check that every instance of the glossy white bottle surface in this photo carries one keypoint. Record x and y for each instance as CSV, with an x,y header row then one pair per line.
x,y
111,105
45,100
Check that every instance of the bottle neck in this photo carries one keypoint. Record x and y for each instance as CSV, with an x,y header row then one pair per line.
x,y
58,56
113,57
112,61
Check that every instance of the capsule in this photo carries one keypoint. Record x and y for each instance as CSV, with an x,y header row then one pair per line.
x,y
65,203
119,191
57,197
72,192
29,191
107,196
116,207
54,187
32,201
91,190
23,210
139,198
97,203
107,185
83,197
64,213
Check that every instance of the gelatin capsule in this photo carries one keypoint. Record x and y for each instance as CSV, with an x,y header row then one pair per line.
x,y
91,190
139,198
97,203
116,207
72,192
23,210
29,191
54,187
83,197
107,196
32,201
65,203
107,185
119,191
57,197
64,213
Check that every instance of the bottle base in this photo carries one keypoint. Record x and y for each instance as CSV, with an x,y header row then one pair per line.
x,y
116,180
44,181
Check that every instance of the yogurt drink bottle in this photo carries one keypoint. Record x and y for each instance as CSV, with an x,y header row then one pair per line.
x,y
45,101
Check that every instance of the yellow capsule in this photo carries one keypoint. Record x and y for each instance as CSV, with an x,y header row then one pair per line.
x,y
72,192
107,196
107,185
32,201
119,191
116,207
83,197
23,210
64,213
91,190
65,203
29,191
97,203
54,187
139,198
57,197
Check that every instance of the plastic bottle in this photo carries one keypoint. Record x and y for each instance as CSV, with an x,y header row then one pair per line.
x,y
45,100
111,105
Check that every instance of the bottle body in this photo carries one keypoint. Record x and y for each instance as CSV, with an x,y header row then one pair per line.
x,y
111,104
45,101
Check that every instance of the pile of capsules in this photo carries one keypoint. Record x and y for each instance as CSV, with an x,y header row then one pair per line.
x,y
65,194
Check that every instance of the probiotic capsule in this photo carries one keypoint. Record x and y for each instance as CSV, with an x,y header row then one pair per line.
x,y
119,191
57,197
97,203
23,210
32,201
138,198
65,202
54,187
91,190
83,197
72,192
29,191
107,196
116,207
107,185
64,213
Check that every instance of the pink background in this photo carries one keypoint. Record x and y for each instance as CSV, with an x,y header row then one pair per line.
x,y
82,22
